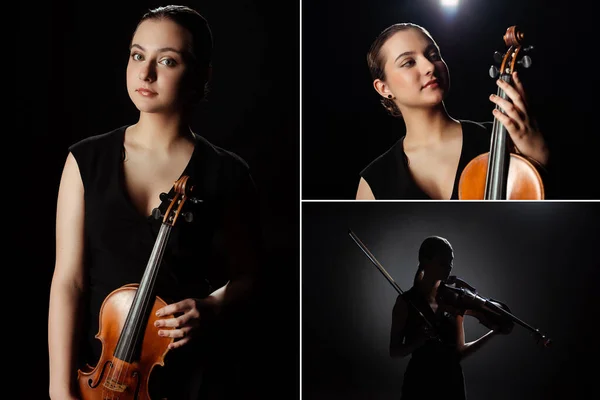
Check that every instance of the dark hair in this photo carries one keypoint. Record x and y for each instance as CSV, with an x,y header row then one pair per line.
x,y
376,62
199,51
431,247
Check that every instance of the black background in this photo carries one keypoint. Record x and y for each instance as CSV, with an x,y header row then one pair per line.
x,y
539,258
71,84
344,127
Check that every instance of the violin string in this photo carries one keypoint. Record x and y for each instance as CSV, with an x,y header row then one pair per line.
x,y
163,237
115,380
117,373
492,176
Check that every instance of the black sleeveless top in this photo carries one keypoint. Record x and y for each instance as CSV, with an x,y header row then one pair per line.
x,y
434,370
389,176
119,239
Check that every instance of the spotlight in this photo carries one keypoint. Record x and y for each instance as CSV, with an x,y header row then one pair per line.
x,y
449,3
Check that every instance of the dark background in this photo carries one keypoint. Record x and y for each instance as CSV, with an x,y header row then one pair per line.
x,y
539,258
71,84
344,126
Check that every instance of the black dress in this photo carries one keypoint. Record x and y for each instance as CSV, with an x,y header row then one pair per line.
x,y
434,370
119,241
389,176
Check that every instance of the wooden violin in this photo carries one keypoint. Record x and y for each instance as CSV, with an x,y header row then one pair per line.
x,y
131,346
502,173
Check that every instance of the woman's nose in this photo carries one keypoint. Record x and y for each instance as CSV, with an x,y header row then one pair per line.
x,y
427,66
147,72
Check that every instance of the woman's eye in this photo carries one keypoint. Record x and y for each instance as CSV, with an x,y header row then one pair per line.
x,y
408,63
136,56
168,62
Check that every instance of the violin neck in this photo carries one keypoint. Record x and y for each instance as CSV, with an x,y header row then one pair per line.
x,y
132,334
499,156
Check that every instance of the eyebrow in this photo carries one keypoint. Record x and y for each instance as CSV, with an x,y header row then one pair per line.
x,y
406,53
161,50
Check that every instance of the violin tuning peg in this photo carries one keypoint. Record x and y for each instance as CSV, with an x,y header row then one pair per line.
x,y
494,72
164,197
528,48
525,61
157,214
188,216
498,57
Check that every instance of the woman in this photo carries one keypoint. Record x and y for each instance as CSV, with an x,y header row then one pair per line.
x,y
433,333
412,78
105,229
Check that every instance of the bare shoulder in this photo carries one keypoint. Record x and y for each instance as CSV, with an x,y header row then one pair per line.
x,y
70,173
364,191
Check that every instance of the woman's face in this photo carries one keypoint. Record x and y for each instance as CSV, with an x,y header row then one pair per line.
x,y
156,67
441,266
416,75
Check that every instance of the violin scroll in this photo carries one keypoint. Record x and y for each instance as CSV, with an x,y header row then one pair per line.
x,y
514,39
183,192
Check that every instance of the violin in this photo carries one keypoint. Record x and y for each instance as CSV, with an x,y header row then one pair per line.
x,y
457,296
503,173
131,347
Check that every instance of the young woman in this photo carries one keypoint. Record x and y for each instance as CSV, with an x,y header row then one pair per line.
x,y
105,229
412,78
437,346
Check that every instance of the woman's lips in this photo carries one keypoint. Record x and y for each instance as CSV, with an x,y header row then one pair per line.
x,y
146,92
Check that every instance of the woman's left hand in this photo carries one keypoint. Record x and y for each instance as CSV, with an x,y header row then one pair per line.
x,y
521,126
185,324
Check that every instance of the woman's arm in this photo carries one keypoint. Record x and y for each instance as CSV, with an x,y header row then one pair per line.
x,y
67,284
242,245
364,191
240,241
466,349
399,346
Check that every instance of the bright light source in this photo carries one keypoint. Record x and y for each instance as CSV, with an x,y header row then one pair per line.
x,y
449,3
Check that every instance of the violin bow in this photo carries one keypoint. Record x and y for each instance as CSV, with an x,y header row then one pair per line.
x,y
389,277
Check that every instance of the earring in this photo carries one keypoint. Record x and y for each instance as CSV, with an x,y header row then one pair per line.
x,y
389,96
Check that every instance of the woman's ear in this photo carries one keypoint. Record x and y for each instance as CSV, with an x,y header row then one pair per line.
x,y
421,274
197,80
383,89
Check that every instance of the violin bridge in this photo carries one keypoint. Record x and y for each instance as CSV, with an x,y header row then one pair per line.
x,y
114,386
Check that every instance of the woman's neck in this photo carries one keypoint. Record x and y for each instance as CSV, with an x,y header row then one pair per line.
x,y
428,288
159,131
426,126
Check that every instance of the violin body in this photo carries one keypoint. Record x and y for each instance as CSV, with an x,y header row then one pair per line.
x,y
523,181
112,377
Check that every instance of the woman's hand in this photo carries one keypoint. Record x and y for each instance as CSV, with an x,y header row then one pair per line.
x,y
189,313
521,126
